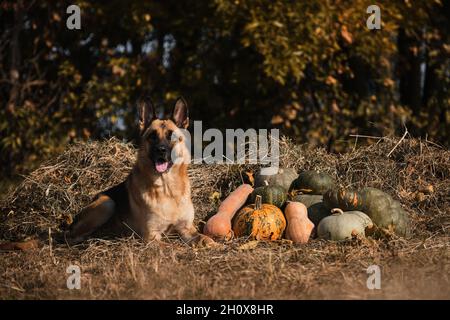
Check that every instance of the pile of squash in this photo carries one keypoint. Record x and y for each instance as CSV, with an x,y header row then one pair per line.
x,y
299,206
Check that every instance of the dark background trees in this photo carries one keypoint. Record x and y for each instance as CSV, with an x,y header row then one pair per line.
x,y
311,68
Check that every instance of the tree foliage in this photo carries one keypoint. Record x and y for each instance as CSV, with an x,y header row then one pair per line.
x,y
311,68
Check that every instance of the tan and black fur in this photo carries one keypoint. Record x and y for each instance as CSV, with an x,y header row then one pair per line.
x,y
148,202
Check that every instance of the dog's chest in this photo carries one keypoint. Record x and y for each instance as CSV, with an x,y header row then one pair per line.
x,y
166,207
169,201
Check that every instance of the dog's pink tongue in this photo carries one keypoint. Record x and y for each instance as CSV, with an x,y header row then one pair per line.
x,y
161,166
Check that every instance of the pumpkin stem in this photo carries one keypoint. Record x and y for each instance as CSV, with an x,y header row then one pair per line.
x,y
258,202
337,211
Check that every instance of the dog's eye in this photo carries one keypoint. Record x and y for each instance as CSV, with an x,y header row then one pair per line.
x,y
169,135
153,135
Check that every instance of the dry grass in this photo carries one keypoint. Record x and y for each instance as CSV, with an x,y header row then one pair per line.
x,y
411,268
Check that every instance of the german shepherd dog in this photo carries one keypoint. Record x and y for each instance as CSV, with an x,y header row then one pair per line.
x,y
155,199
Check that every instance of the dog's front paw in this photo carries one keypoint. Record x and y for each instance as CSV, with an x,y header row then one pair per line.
x,y
204,241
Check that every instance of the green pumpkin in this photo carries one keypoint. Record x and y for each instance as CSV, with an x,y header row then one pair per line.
x,y
384,211
283,178
313,182
344,225
345,199
316,208
275,195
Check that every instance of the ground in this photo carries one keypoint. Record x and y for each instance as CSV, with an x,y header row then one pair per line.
x,y
413,268
129,269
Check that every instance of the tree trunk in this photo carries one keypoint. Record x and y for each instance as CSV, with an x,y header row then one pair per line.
x,y
409,70
14,73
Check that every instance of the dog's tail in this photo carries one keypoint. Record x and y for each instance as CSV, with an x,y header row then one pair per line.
x,y
34,242
22,245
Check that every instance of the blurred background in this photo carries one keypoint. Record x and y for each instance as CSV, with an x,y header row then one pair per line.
x,y
311,68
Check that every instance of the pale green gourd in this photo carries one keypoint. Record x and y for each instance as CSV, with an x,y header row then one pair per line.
x,y
344,225
283,178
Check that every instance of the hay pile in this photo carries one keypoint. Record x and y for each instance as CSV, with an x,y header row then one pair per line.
x,y
55,192
415,268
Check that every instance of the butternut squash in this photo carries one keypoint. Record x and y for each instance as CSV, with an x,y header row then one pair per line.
x,y
218,226
299,227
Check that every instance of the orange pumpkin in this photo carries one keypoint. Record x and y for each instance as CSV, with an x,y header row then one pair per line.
x,y
259,221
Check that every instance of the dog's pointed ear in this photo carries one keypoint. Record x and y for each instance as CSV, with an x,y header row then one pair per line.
x,y
180,115
147,113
